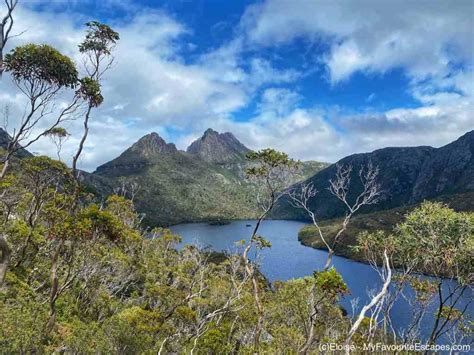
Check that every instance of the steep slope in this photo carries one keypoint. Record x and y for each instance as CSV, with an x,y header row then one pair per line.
x,y
407,176
136,158
207,182
449,170
218,148
5,139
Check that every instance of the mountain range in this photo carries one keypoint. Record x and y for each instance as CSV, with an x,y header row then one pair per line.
x,y
406,176
204,183
207,181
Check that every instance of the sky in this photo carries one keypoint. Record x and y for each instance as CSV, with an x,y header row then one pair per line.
x,y
318,79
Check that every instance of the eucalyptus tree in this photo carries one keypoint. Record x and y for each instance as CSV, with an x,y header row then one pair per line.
x,y
97,50
41,73
436,240
270,172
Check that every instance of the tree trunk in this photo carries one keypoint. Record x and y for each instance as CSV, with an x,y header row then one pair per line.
x,y
4,260
310,338
328,260
375,300
54,288
3,172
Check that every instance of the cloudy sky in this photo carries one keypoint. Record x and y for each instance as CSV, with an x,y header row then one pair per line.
x,y
317,79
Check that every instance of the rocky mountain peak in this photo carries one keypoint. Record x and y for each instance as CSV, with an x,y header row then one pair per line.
x,y
141,154
210,132
215,147
152,144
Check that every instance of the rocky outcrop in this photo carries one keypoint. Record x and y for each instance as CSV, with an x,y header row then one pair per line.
x,y
218,148
152,144
450,169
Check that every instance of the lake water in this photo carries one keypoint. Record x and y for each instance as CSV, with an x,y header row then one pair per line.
x,y
288,258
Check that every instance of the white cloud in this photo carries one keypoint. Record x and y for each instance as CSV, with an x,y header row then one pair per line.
x,y
432,42
375,36
150,86
153,88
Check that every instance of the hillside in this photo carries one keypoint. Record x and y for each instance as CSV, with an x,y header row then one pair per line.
x,y
407,176
5,140
207,182
371,222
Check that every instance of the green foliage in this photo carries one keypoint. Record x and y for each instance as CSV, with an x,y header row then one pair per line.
x,y
438,239
268,160
433,238
38,64
330,282
261,242
382,221
129,290
58,132
89,90
99,38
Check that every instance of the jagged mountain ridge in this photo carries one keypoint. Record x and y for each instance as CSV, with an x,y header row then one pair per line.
x,y
407,176
142,153
205,182
219,148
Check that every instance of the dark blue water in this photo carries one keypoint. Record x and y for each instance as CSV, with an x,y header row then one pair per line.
x,y
288,259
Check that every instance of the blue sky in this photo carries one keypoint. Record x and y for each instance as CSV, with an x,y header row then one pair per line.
x,y
317,79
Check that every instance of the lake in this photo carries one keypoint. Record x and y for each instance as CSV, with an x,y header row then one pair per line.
x,y
288,258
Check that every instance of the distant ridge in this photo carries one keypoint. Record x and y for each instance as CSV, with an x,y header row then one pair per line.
x,y
407,175
5,139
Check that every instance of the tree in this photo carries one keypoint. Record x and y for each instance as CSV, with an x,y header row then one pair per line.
x,y
439,241
6,26
41,73
97,49
270,172
339,187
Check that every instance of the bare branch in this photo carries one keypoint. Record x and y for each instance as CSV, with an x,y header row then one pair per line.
x,y
6,26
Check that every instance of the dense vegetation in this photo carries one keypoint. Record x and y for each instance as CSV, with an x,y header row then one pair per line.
x,y
90,279
79,275
205,183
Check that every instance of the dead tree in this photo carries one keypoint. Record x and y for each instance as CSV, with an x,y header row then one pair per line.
x,y
376,300
339,187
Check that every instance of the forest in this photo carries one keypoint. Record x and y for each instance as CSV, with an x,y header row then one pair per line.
x,y
83,274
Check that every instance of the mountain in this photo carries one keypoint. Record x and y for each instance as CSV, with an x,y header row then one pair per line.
x,y
205,182
407,176
140,155
5,139
218,148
